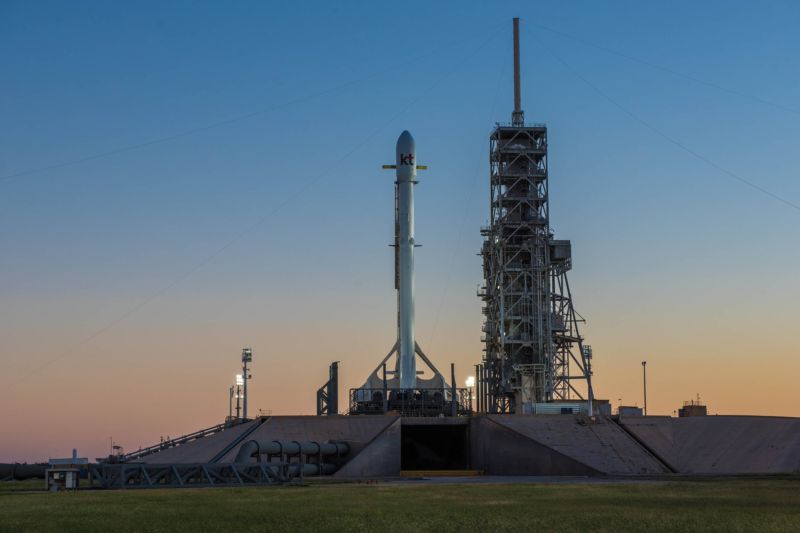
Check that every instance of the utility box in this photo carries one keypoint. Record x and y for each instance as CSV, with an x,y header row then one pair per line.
x,y
560,251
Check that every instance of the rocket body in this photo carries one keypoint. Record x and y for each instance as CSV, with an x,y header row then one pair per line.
x,y
406,173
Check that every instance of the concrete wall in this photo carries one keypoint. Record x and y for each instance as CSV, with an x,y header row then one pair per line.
x,y
721,444
379,458
499,450
357,431
557,444
377,436
540,444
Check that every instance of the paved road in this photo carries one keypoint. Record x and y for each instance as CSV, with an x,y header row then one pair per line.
x,y
440,480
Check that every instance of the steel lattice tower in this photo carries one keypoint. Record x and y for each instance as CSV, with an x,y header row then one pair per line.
x,y
533,348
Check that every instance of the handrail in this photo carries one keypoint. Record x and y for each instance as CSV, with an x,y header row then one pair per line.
x,y
171,443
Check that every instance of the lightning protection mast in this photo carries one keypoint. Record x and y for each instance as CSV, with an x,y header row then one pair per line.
x,y
247,358
533,351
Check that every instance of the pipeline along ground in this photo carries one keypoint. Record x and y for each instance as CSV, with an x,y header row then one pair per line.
x,y
715,505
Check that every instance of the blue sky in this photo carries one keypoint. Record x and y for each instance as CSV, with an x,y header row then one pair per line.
x,y
244,202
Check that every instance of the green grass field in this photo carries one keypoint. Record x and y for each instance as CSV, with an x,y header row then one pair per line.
x,y
727,505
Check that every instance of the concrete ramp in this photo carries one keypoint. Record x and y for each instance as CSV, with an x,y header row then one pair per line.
x,y
721,444
357,431
374,442
565,445
655,433
500,450
200,450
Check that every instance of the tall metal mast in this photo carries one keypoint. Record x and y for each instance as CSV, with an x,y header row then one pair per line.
x,y
518,116
247,358
532,342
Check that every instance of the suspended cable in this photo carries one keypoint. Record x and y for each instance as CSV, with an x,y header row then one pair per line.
x,y
667,137
464,219
298,193
237,118
669,70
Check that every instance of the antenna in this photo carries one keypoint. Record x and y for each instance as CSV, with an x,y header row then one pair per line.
x,y
518,116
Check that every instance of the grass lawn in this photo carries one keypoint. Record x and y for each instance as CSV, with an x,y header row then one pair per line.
x,y
719,505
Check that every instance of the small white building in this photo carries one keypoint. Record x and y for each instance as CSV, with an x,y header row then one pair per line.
x,y
64,474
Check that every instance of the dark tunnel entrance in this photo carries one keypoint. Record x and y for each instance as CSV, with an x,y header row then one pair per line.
x,y
434,447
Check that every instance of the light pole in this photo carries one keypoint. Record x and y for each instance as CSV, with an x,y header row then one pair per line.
x,y
644,384
239,382
470,384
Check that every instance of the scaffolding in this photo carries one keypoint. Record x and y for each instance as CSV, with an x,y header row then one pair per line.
x,y
533,350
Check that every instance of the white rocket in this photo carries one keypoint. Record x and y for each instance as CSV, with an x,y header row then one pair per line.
x,y
406,171
405,376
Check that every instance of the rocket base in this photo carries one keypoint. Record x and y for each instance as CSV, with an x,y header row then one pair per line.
x,y
432,396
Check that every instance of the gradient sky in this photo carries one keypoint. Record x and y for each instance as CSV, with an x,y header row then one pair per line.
x,y
183,179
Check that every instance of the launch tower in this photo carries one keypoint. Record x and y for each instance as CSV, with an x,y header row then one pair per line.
x,y
533,350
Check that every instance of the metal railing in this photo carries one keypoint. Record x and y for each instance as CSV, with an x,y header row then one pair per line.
x,y
415,402
177,441
526,125
139,475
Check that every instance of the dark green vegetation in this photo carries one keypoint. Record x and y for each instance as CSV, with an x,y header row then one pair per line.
x,y
727,505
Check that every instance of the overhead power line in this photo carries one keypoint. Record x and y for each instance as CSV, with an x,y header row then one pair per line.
x,y
668,70
300,192
667,137
242,117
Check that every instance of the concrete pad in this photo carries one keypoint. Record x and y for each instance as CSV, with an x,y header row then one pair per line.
x,y
599,444
535,445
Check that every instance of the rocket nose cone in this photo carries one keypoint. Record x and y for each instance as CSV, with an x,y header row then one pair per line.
x,y
406,157
405,143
